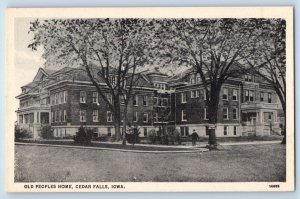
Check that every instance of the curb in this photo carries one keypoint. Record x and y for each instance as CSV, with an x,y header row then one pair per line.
x,y
111,149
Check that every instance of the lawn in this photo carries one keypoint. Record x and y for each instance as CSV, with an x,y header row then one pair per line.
x,y
260,163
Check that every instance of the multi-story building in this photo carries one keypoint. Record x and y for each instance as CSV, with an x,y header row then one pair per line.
x,y
66,99
247,106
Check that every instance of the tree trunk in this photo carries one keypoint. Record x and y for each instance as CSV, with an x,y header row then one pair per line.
x,y
284,126
117,119
124,126
213,117
213,106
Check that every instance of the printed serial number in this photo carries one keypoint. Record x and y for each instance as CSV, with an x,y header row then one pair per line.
x,y
274,186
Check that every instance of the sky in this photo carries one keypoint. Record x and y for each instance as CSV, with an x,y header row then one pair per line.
x,y
27,62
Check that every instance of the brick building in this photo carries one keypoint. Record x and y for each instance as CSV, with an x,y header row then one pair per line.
x,y
66,99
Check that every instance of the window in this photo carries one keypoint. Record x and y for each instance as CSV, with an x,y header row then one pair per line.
x,y
192,79
165,101
225,130
62,116
56,98
109,97
262,96
108,131
113,81
135,100
108,116
95,115
269,98
234,114
225,113
183,97
21,119
82,97
198,78
65,96
52,98
122,99
145,118
205,114
82,115
248,78
155,101
225,94
206,131
95,97
234,95
145,131
183,115
270,116
234,130
135,117
249,96
65,115
251,93
197,93
62,98
122,116
193,94
204,94
52,117
155,117
56,116
145,102
184,131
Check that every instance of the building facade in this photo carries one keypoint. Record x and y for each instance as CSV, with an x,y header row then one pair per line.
x,y
66,99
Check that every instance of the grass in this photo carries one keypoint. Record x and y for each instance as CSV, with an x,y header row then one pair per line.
x,y
248,163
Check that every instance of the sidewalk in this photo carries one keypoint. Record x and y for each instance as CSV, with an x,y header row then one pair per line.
x,y
188,145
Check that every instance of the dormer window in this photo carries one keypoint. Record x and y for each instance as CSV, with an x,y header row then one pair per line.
x,y
192,80
113,80
248,78
23,90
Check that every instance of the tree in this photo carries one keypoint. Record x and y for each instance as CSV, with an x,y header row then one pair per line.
x,y
109,51
214,48
269,59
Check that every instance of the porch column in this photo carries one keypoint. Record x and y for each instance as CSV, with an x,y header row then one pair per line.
x,y
275,116
261,117
35,117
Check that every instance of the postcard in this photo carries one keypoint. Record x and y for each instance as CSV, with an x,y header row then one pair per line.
x,y
150,99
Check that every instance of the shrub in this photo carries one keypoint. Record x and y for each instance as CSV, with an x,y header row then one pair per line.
x,y
165,139
133,137
171,137
177,136
21,133
47,132
83,136
152,136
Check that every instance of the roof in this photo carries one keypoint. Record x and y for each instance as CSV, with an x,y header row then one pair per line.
x,y
49,71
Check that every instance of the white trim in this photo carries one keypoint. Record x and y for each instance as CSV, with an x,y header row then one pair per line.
x,y
146,117
227,118
183,120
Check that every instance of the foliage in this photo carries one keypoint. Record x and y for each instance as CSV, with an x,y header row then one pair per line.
x,y
83,136
215,49
120,47
47,132
22,133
